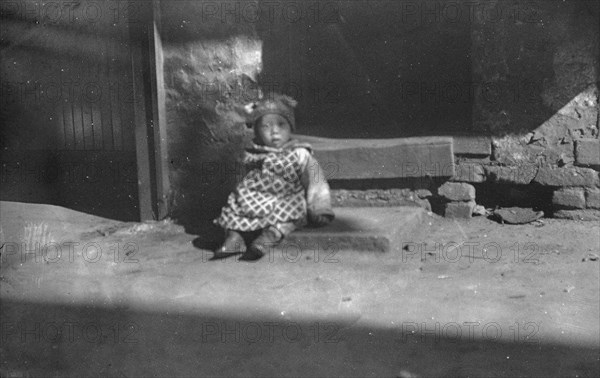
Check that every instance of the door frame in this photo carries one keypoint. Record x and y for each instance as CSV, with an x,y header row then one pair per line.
x,y
149,112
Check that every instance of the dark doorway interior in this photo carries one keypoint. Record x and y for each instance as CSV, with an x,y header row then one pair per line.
x,y
67,114
363,69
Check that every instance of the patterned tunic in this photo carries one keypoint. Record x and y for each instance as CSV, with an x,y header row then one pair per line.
x,y
271,193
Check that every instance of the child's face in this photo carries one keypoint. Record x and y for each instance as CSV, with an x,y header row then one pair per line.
x,y
273,130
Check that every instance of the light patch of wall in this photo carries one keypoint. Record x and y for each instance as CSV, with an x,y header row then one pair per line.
x,y
552,143
206,81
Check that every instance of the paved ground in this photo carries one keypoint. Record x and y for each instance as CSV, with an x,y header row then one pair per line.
x,y
466,299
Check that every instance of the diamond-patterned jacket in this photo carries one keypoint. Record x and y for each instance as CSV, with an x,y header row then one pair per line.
x,y
282,185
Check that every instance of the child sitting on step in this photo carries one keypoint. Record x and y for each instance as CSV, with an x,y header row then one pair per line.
x,y
284,188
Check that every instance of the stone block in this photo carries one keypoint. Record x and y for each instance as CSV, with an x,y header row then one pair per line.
x,y
359,229
567,177
569,198
423,193
587,152
520,175
469,172
513,151
582,215
551,146
355,159
459,209
455,191
472,145
592,198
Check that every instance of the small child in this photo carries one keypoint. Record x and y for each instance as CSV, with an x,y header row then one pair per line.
x,y
284,184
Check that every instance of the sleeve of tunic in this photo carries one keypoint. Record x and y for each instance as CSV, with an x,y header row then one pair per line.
x,y
303,158
318,198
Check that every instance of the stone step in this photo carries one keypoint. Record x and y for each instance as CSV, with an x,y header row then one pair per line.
x,y
365,229
348,159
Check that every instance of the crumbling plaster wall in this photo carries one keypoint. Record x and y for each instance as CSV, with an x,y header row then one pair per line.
x,y
537,65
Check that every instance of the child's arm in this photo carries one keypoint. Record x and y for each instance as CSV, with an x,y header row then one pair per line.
x,y
318,198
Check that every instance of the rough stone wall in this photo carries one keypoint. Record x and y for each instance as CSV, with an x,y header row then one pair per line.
x,y
211,60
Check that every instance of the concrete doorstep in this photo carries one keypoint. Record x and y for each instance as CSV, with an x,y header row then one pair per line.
x,y
365,229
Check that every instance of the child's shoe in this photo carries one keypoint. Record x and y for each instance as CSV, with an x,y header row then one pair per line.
x,y
233,244
269,237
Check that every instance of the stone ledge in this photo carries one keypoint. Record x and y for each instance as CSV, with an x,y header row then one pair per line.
x,y
379,198
361,229
344,159
472,145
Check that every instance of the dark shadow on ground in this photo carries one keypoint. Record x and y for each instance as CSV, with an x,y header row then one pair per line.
x,y
46,339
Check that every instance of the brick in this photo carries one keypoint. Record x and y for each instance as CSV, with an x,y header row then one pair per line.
x,y
423,193
467,172
587,152
569,198
459,209
520,175
583,215
513,151
348,159
472,145
567,177
455,191
592,198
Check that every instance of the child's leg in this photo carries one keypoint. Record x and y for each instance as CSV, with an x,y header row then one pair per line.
x,y
268,238
286,228
234,243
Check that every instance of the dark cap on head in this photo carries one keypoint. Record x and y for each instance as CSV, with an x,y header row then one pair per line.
x,y
276,104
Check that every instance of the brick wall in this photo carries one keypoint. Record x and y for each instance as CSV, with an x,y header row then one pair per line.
x,y
536,69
